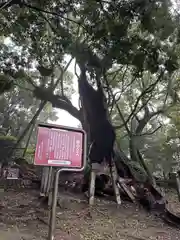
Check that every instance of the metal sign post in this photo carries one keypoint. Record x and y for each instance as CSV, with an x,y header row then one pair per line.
x,y
52,220
63,148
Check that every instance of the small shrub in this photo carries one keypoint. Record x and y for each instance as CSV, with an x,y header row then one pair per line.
x,y
29,156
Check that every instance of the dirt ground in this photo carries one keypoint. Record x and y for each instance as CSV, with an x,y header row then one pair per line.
x,y
23,217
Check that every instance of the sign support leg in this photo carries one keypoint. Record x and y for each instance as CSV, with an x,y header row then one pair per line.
x,y
42,191
44,181
52,222
49,180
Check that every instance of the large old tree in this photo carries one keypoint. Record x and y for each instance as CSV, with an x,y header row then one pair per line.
x,y
115,44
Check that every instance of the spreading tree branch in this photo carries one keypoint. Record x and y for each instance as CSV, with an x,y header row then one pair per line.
x,y
119,111
60,15
149,89
150,133
145,120
57,101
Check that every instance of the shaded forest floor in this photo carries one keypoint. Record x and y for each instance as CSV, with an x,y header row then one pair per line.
x,y
23,217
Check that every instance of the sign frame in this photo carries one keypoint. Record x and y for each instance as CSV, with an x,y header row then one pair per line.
x,y
66,128
59,169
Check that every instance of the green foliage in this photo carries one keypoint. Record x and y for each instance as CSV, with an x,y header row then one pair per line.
x,y
5,83
122,32
29,156
6,144
8,138
30,151
17,108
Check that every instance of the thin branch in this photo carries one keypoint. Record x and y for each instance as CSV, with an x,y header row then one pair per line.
x,y
149,133
147,90
125,135
116,100
119,111
123,77
122,91
29,80
6,4
144,105
114,72
62,73
144,121
51,13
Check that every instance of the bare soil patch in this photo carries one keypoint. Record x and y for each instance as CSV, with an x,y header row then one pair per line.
x,y
23,216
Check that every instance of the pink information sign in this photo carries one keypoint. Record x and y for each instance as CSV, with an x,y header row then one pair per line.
x,y
59,146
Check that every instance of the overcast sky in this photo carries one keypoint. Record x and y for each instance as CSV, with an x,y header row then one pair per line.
x,y
64,117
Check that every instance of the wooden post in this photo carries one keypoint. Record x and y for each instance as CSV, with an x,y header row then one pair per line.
x,y
49,180
50,186
44,181
114,177
95,168
92,187
178,184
